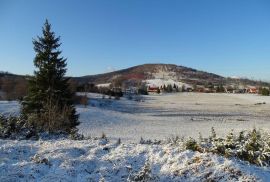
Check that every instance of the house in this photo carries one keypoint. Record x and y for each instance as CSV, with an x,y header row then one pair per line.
x,y
153,89
252,90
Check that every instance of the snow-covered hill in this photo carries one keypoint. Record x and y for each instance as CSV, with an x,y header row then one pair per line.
x,y
164,72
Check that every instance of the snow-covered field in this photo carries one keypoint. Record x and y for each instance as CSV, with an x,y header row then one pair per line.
x,y
150,117
9,107
162,116
98,160
182,114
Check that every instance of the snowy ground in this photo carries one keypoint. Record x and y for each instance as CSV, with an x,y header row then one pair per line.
x,y
97,160
150,117
9,107
159,117
182,114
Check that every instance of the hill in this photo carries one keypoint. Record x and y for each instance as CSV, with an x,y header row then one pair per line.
x,y
166,72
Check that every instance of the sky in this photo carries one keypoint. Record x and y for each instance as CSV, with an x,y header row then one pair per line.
x,y
226,37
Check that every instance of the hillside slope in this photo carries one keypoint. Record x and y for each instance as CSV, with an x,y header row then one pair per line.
x,y
165,71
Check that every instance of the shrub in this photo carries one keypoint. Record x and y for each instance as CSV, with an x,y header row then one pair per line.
x,y
145,174
16,128
79,99
74,135
174,140
84,100
265,92
251,146
149,142
255,149
118,141
103,136
191,144
52,119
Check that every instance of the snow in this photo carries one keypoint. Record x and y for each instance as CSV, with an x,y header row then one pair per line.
x,y
92,160
160,82
181,114
164,74
163,116
106,85
150,117
9,107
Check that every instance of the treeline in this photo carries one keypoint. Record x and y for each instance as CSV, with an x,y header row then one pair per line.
x,y
170,88
13,87
90,87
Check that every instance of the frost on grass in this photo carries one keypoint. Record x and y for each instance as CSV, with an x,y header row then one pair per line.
x,y
251,146
94,160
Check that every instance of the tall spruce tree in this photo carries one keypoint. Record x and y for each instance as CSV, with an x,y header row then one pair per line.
x,y
48,105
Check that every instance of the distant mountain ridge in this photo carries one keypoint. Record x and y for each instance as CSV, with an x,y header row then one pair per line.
x,y
167,71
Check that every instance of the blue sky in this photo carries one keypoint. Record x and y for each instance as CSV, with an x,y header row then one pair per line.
x,y
230,37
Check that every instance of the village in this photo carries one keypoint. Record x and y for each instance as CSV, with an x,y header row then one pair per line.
x,y
158,87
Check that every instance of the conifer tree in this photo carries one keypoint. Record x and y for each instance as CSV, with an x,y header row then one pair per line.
x,y
48,105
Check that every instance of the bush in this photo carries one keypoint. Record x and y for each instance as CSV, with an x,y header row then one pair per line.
x,y
251,146
149,142
12,127
52,119
255,149
84,100
191,144
16,128
79,99
145,174
265,92
74,135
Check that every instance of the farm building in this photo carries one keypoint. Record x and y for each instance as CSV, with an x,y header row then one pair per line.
x,y
153,89
252,90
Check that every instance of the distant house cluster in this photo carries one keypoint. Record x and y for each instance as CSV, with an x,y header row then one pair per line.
x,y
208,89
159,86
228,89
